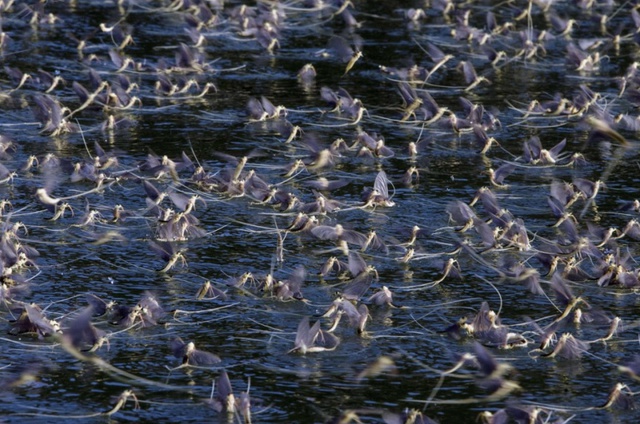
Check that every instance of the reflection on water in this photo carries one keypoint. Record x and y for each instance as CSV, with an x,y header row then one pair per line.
x,y
163,88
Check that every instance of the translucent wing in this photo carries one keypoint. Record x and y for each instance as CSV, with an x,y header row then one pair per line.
x,y
357,287
357,265
381,184
178,347
202,358
324,232
224,387
341,47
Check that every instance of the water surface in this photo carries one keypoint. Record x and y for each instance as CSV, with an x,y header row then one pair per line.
x,y
251,330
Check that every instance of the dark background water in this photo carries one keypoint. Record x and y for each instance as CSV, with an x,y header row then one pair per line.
x,y
251,331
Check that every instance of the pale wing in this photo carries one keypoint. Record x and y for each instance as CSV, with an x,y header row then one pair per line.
x,y
356,264
381,184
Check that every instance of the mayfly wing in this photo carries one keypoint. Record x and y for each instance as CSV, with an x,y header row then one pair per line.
x,y
381,184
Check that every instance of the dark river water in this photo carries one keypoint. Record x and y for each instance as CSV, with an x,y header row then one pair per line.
x,y
188,116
